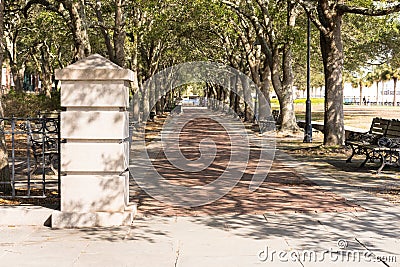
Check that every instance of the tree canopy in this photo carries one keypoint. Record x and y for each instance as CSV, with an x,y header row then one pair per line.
x,y
264,39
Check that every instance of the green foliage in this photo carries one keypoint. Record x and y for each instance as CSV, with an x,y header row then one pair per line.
x,y
370,40
22,104
173,31
299,48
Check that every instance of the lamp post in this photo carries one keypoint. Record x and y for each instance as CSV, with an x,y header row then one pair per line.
x,y
256,108
308,125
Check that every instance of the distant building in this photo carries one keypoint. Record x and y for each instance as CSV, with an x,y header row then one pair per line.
x,y
6,80
381,94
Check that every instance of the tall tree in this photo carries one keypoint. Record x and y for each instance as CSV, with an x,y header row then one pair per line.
x,y
4,167
77,16
12,35
113,30
327,16
75,13
271,22
1,40
257,64
30,48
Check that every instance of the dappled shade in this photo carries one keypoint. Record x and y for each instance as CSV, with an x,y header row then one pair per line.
x,y
284,190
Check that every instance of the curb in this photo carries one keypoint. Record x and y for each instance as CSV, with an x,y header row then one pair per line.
x,y
25,215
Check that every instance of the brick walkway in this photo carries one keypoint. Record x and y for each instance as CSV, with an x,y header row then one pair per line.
x,y
284,190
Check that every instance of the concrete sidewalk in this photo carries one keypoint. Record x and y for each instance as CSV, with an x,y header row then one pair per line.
x,y
351,238
246,240
207,241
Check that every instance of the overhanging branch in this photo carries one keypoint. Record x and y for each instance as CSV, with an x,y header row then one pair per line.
x,y
368,11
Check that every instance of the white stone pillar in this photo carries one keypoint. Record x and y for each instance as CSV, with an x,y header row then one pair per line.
x,y
95,156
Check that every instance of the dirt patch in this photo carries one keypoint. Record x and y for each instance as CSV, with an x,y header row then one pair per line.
x,y
322,150
51,199
392,195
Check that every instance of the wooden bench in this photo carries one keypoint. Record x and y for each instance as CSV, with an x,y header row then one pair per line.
x,y
358,142
387,148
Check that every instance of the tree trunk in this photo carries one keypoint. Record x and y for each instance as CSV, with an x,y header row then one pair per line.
x,y
119,33
45,71
332,56
17,70
232,93
255,74
394,92
247,98
145,102
76,10
158,97
219,98
2,45
136,107
239,93
134,66
213,97
104,31
284,89
265,105
210,101
224,97
152,96
4,167
17,75
231,101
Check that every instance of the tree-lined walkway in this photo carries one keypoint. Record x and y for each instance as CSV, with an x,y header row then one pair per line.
x,y
283,191
230,235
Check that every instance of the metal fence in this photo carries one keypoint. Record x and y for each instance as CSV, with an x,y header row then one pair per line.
x,y
33,148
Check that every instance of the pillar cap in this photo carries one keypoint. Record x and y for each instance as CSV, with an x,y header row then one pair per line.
x,y
93,67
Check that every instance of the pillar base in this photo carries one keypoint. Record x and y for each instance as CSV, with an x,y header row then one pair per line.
x,y
60,219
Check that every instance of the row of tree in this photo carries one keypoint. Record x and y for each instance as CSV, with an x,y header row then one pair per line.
x,y
376,76
261,38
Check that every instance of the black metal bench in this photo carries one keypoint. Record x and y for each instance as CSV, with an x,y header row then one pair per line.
x,y
358,142
43,135
276,114
387,148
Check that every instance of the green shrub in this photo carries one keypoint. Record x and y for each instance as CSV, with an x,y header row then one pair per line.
x,y
21,104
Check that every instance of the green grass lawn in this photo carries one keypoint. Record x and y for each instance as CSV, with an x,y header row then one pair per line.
x,y
300,106
275,102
